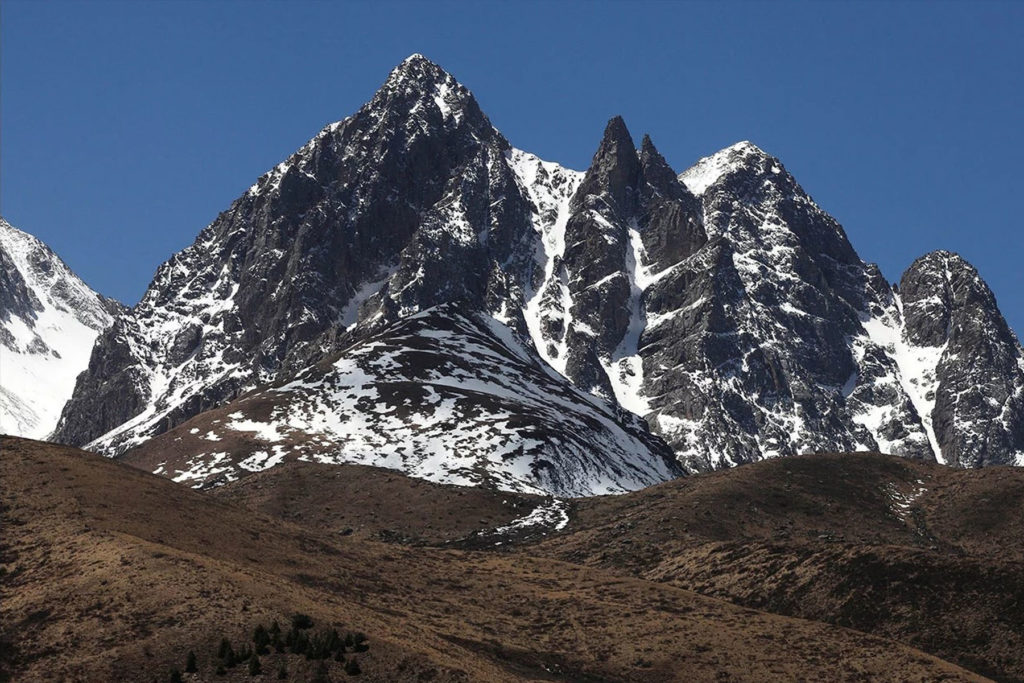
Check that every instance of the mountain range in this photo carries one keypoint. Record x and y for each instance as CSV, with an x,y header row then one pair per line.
x,y
409,290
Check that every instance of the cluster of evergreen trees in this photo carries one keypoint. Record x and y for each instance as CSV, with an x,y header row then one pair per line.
x,y
298,640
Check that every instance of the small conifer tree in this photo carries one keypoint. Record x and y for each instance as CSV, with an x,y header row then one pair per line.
x,y
352,667
321,674
190,663
176,676
254,666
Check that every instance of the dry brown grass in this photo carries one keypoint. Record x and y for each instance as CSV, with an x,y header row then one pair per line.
x,y
818,537
113,574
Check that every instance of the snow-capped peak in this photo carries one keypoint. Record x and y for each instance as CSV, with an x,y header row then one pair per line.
x,y
49,320
708,170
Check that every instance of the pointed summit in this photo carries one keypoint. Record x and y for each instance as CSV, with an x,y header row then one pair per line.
x,y
418,68
710,169
615,170
656,171
976,404
418,85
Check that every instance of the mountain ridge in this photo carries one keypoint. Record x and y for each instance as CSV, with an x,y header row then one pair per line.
x,y
734,315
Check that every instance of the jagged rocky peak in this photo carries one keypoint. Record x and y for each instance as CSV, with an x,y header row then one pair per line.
x,y
49,319
409,203
656,171
941,286
421,87
630,219
722,305
614,173
952,323
747,346
709,170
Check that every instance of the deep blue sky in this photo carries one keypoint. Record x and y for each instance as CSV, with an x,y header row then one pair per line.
x,y
127,126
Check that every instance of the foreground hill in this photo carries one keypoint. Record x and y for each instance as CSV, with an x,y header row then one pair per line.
x,y
445,396
920,553
111,574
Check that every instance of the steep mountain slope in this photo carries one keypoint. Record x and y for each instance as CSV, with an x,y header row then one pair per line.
x,y
114,574
440,395
970,364
49,320
927,555
723,306
410,202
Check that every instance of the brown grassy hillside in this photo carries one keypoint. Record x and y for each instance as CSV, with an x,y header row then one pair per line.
x,y
920,553
113,574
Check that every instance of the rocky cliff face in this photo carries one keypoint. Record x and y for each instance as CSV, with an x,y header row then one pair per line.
x,y
971,363
722,305
49,319
409,203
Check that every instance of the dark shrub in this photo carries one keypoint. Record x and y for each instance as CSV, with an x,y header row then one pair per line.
x,y
302,621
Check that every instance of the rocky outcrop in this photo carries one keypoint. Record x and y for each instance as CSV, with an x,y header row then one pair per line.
x,y
977,394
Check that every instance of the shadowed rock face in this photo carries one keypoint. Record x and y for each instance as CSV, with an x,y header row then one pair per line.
x,y
979,397
410,202
723,305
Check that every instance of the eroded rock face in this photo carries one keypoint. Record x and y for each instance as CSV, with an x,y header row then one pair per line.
x,y
722,305
979,374
409,203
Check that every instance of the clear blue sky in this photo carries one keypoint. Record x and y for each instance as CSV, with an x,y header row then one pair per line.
x,y
127,126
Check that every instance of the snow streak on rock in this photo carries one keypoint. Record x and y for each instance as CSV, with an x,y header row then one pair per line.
x,y
455,399
550,188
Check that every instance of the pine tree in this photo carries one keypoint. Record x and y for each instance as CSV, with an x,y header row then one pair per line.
x,y
261,638
190,663
321,674
254,666
175,676
352,667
